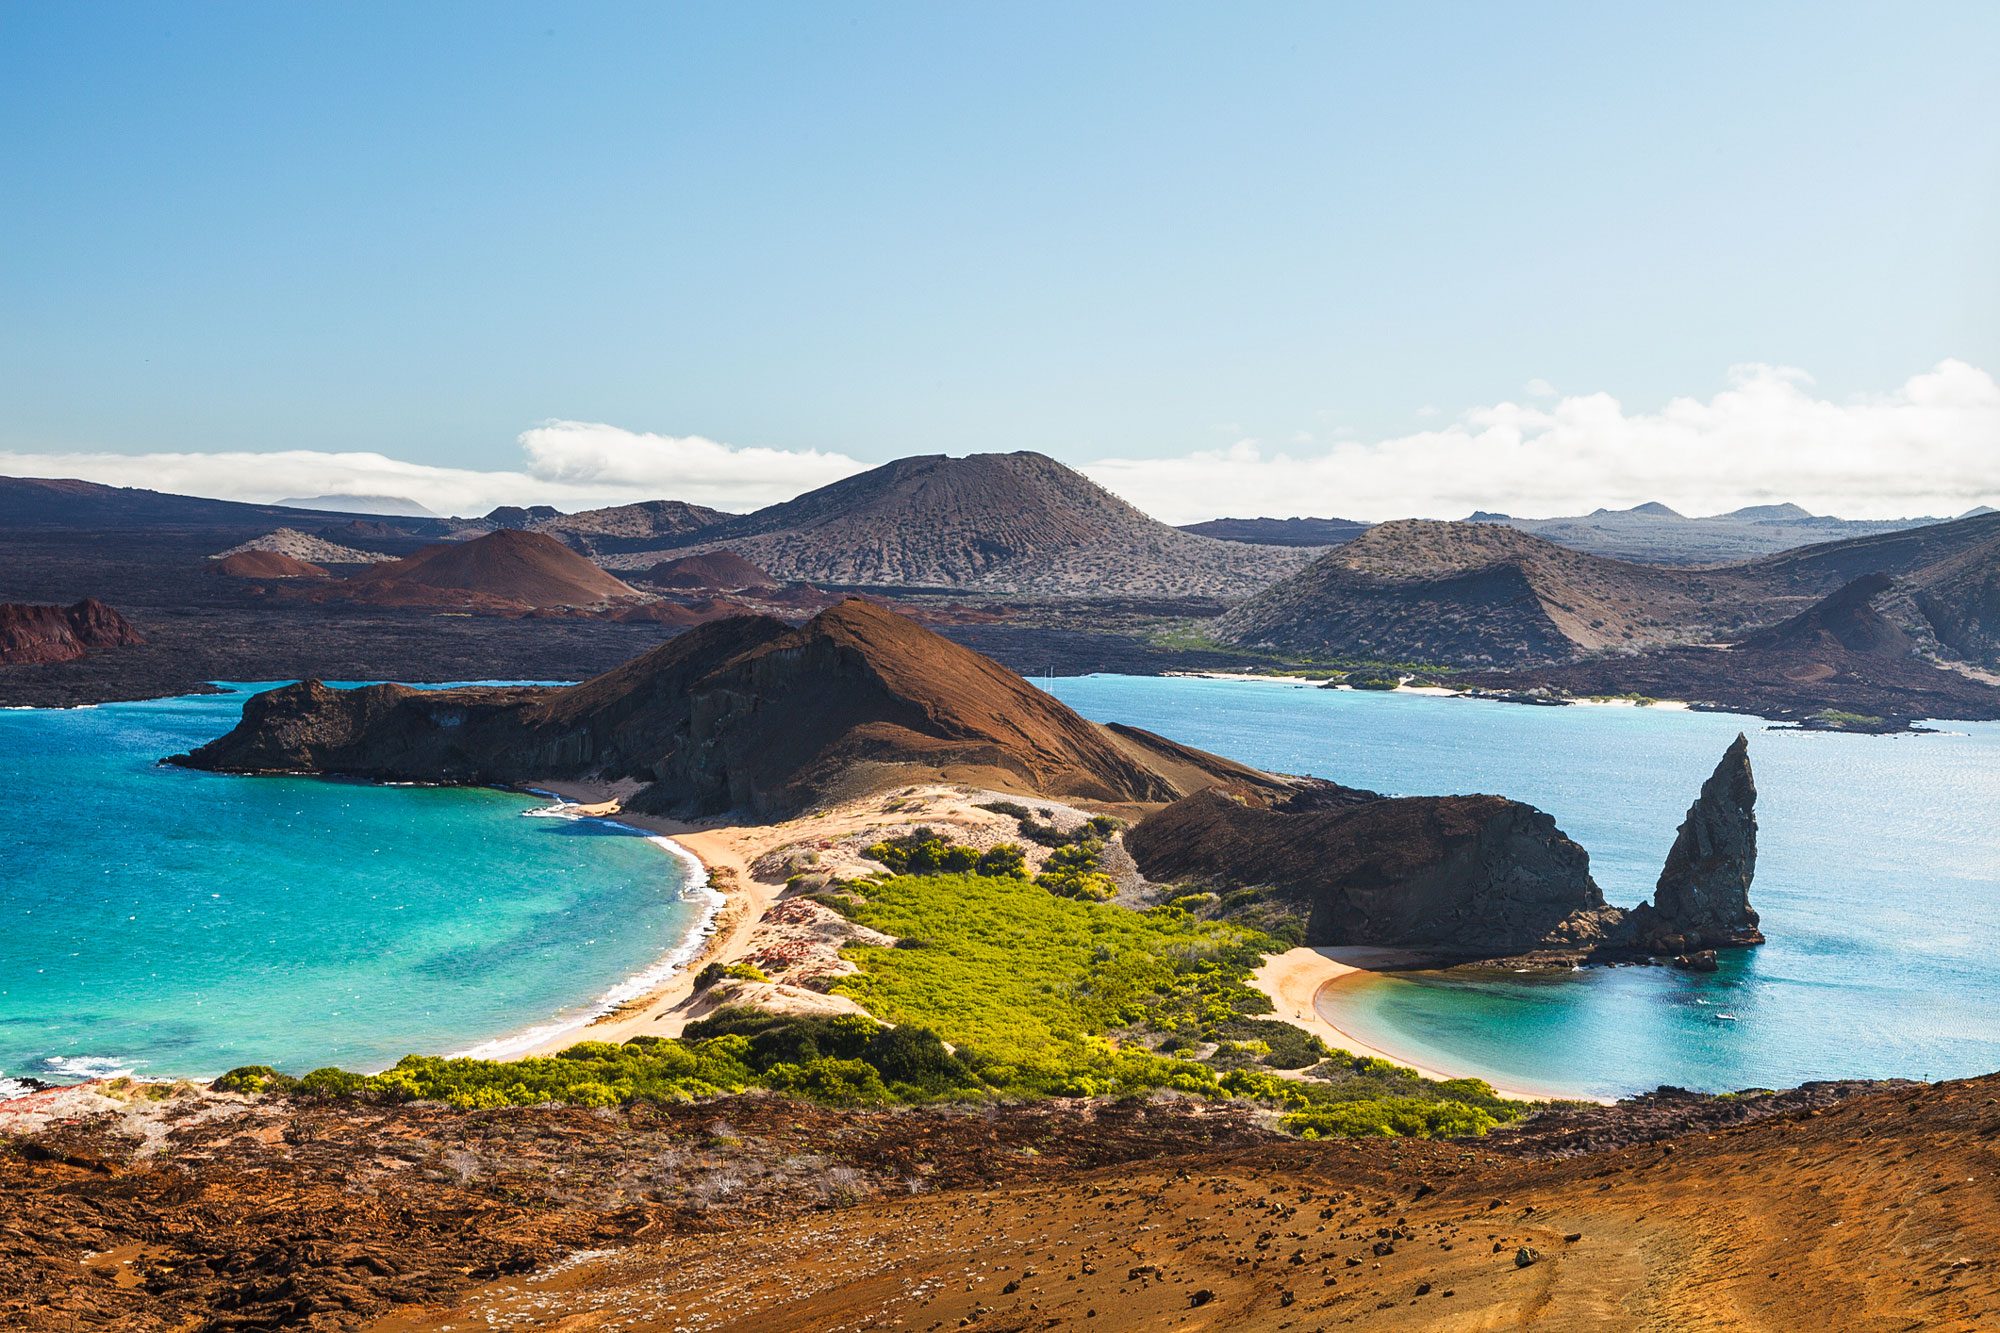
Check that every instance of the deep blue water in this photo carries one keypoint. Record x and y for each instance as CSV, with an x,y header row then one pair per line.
x,y
172,923
1878,880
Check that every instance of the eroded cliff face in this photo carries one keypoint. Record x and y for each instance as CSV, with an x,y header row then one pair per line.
x,y
32,634
1468,877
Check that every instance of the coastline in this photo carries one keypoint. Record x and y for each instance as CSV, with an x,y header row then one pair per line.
x,y
699,886
1295,980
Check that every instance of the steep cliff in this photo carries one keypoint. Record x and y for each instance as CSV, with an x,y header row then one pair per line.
x,y
1702,900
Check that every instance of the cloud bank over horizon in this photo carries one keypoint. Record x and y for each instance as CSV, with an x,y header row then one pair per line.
x,y
1931,446
569,464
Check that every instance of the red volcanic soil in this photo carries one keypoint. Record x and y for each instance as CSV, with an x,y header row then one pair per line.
x,y
501,571
267,565
45,634
714,569
1827,1209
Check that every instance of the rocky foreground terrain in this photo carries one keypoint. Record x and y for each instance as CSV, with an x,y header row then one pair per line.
x,y
1852,1207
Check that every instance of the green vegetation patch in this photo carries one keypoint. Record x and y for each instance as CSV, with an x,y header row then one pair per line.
x,y
997,987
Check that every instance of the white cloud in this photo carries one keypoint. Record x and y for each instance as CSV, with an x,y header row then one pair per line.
x,y
569,464
1539,388
1930,447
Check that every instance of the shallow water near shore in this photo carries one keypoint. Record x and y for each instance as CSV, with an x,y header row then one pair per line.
x,y
173,923
1878,880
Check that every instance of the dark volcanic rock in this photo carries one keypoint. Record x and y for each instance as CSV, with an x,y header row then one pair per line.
x,y
1471,876
31,634
1465,877
1704,892
746,713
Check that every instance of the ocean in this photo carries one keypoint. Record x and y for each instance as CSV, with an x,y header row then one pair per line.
x,y
1878,881
170,923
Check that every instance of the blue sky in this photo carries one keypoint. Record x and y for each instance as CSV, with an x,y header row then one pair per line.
x,y
1107,232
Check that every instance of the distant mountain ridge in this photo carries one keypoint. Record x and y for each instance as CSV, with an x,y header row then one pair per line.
x,y
393,506
1280,531
1656,534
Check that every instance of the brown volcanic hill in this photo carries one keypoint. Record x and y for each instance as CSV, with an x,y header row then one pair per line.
x,y
33,634
745,713
1480,593
1017,522
259,564
724,570
527,569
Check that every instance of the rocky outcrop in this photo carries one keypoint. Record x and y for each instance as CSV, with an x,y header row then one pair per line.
x,y
1702,901
34,634
1466,877
745,714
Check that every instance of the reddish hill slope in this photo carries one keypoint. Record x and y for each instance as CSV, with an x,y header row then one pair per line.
x,y
506,568
32,634
745,713
724,570
266,565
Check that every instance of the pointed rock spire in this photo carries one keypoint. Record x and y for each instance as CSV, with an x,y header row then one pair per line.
x,y
1704,891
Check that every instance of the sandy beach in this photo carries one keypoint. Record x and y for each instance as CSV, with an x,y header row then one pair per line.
x,y
1295,979
731,853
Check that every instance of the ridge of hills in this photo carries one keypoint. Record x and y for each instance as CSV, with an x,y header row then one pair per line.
x,y
1280,531
1467,594
1865,657
1656,534
1486,595
1001,523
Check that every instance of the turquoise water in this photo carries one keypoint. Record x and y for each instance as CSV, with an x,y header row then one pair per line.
x,y
1878,880
169,922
